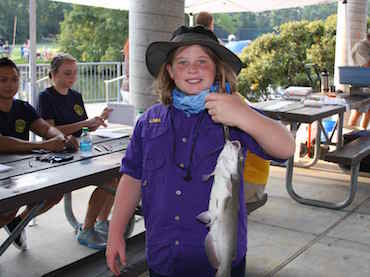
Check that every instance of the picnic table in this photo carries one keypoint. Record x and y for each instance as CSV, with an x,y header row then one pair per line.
x,y
295,113
30,181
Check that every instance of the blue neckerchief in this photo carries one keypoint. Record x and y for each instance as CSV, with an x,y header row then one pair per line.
x,y
190,104
193,104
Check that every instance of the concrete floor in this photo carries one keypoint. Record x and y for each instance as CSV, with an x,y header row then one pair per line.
x,y
286,239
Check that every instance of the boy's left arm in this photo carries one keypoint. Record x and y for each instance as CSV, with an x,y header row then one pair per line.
x,y
232,110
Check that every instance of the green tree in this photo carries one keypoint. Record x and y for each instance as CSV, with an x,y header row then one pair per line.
x,y
49,14
229,22
94,34
279,58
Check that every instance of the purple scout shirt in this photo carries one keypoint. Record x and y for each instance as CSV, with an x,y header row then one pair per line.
x,y
159,154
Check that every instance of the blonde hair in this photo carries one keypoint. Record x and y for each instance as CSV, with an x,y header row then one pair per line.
x,y
57,62
164,84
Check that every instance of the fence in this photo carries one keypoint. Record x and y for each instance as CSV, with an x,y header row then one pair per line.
x,y
90,82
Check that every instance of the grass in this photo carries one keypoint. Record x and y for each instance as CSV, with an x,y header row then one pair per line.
x,y
45,53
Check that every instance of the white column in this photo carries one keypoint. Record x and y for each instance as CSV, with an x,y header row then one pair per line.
x,y
351,27
32,54
149,20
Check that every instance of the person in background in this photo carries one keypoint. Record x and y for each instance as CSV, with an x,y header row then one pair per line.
x,y
205,19
176,143
361,57
125,86
17,119
63,107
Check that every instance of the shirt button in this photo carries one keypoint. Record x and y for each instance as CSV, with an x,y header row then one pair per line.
x,y
177,218
178,192
177,242
145,183
181,165
184,139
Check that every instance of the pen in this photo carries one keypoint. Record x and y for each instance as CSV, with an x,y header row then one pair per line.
x,y
97,148
106,147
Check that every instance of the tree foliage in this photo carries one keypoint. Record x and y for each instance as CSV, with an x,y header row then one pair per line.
x,y
279,58
49,15
94,34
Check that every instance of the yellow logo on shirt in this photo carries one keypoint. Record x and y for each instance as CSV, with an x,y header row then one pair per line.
x,y
155,120
20,126
78,109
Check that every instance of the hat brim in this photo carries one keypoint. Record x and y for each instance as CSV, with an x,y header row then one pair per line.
x,y
158,51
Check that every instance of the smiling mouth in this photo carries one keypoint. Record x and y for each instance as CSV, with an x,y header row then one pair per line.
x,y
194,81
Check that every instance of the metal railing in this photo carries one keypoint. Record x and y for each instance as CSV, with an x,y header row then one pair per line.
x,y
112,88
90,82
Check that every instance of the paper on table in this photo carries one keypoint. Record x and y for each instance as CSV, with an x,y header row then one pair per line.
x,y
4,168
122,114
283,105
298,91
109,133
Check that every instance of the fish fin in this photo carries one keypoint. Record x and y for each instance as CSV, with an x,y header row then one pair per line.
x,y
211,251
206,177
205,217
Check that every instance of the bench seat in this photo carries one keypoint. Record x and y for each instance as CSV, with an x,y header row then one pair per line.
x,y
351,154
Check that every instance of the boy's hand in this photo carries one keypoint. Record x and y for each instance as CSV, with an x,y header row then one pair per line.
x,y
71,143
227,109
116,255
106,112
55,144
95,122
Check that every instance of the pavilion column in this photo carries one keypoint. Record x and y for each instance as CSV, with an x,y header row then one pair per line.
x,y
32,56
149,20
351,27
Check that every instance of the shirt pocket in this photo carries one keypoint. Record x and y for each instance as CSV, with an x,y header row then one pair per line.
x,y
155,158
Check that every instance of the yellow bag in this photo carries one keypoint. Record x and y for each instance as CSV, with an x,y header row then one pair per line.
x,y
255,174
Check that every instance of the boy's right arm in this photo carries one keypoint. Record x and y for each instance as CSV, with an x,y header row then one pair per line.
x,y
14,145
126,199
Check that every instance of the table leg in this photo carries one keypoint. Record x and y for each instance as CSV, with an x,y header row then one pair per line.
x,y
318,203
340,131
68,211
20,227
317,149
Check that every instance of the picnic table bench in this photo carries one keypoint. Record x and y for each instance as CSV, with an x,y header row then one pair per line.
x,y
350,154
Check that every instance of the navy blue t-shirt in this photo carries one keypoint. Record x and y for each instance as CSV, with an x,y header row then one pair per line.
x,y
63,109
17,122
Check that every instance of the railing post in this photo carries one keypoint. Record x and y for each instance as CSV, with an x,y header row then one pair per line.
x,y
106,92
118,86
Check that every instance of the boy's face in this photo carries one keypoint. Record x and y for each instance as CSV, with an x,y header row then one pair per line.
x,y
192,69
66,75
9,82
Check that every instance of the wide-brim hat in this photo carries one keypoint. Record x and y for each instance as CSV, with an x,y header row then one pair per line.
x,y
157,52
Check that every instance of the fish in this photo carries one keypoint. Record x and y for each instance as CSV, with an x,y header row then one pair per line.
x,y
222,214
